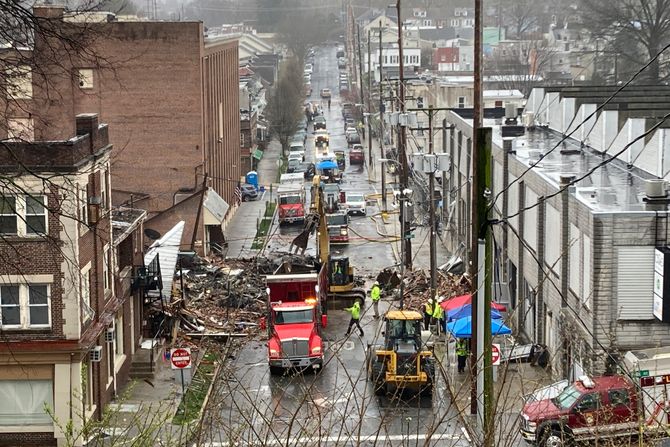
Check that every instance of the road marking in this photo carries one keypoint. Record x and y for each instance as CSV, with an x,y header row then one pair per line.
x,y
338,439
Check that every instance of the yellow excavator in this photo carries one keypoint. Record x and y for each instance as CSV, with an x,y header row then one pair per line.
x,y
402,362
342,288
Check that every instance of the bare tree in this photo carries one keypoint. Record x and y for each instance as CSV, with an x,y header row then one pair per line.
x,y
284,108
636,30
520,67
522,15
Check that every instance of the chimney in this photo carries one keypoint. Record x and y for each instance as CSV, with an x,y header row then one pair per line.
x,y
87,124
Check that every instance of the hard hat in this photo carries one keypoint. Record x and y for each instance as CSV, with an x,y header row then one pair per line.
x,y
440,299
376,283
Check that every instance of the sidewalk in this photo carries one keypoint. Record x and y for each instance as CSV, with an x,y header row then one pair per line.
x,y
241,229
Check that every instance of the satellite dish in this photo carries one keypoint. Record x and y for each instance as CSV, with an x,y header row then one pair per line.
x,y
152,234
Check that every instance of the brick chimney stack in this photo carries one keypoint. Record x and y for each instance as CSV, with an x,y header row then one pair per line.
x,y
47,10
87,124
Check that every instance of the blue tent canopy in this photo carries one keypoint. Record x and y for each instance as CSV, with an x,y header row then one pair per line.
x,y
466,311
326,164
462,328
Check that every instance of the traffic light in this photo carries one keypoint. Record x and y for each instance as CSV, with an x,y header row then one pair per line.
x,y
419,102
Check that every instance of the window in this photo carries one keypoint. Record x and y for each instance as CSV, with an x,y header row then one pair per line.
x,y
443,58
20,129
83,207
105,267
19,83
461,102
85,76
38,305
8,215
103,189
498,104
24,402
118,341
25,306
23,215
10,306
589,402
36,217
619,398
87,312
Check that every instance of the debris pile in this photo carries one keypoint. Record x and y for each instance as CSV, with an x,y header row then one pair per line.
x,y
417,286
226,297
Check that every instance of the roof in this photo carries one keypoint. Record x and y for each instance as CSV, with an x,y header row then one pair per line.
x,y
167,249
403,315
125,221
502,94
437,34
215,204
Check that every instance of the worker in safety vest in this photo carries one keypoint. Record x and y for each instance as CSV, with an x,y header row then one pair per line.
x,y
438,315
461,354
355,311
427,314
375,295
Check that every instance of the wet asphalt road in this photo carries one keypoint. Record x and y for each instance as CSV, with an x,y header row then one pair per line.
x,y
335,407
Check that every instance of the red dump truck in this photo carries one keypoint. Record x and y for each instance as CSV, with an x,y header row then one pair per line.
x,y
622,405
296,316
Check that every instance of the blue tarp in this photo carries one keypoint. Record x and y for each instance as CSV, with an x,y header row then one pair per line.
x,y
466,311
462,328
327,164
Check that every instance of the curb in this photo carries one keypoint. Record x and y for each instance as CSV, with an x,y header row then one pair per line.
x,y
199,420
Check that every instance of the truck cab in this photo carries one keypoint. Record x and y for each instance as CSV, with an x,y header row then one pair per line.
x,y
338,227
291,203
596,408
294,322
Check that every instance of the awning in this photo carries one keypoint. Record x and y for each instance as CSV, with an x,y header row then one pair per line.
x,y
215,208
166,248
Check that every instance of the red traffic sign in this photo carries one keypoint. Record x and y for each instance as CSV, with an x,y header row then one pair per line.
x,y
495,354
180,358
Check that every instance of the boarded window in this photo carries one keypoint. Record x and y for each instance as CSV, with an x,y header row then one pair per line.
x,y
635,280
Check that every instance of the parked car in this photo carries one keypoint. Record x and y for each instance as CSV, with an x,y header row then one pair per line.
x,y
356,155
293,164
300,135
353,137
349,122
296,147
319,123
341,63
325,93
248,192
308,68
355,204
340,53
308,169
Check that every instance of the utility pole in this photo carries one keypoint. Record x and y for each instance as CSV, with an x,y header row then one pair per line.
x,y
476,181
445,187
431,197
360,67
381,120
369,73
402,142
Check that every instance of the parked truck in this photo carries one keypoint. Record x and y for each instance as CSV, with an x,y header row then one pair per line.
x,y
633,402
291,203
295,317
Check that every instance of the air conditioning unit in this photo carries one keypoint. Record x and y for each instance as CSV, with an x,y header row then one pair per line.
x,y
95,354
110,334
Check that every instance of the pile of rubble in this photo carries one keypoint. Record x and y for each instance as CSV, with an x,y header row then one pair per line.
x,y
226,297
417,286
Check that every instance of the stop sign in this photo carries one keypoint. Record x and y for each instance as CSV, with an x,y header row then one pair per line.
x,y
495,355
180,358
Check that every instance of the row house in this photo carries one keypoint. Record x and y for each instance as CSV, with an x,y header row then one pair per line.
x,y
583,221
170,97
69,318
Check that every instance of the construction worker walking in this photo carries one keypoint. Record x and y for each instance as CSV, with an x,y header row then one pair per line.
x,y
427,314
438,315
355,311
375,295
461,354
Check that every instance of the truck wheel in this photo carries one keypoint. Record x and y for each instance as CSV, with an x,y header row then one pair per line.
x,y
276,371
555,438
378,375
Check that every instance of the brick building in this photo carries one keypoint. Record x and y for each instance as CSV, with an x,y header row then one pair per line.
x,y
576,265
66,310
170,97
